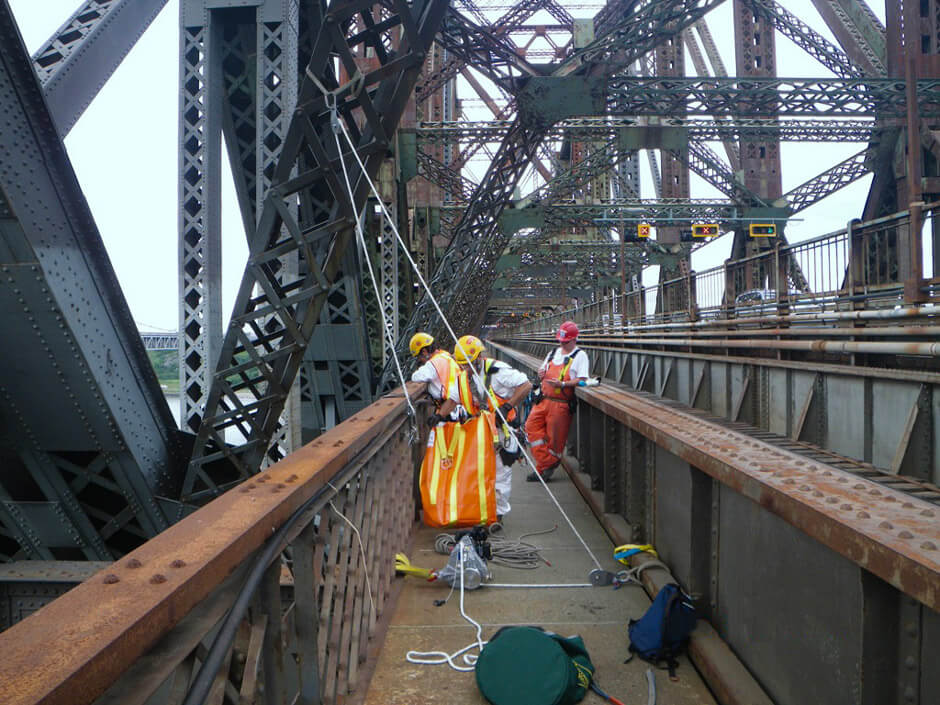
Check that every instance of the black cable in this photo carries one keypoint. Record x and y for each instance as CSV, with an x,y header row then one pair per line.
x,y
223,639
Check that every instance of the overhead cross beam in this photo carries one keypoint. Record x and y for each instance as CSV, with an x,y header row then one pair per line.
x,y
466,270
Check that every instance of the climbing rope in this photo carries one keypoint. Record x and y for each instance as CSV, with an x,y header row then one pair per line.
x,y
363,249
435,658
512,554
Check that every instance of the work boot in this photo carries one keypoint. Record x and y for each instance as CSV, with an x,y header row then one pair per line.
x,y
548,472
532,477
497,526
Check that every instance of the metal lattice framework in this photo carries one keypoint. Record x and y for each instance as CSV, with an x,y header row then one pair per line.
x,y
274,314
478,240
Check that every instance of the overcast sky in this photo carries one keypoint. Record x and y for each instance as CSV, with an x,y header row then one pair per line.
x,y
124,151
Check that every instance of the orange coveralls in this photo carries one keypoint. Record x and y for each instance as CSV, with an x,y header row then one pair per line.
x,y
548,423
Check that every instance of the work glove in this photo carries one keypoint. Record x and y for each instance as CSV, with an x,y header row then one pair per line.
x,y
505,409
434,420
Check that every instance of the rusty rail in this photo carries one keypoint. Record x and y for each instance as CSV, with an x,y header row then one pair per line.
x,y
173,590
888,532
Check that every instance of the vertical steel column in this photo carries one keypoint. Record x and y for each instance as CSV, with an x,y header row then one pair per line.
x,y
755,56
670,61
277,26
200,234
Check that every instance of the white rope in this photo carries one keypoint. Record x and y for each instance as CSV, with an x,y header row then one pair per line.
x,y
361,240
450,330
362,550
435,658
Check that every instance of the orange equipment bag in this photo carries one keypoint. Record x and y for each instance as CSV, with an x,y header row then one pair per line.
x,y
458,475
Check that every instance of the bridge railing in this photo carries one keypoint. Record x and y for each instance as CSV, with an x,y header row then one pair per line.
x,y
831,272
271,593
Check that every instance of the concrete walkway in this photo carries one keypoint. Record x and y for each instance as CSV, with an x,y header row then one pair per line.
x,y
599,615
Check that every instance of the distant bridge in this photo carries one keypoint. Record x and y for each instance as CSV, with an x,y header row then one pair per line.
x,y
161,341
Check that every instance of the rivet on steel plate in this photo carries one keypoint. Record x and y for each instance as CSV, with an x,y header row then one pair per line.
x,y
157,578
832,500
859,486
875,492
886,525
908,505
110,579
906,535
291,478
827,474
178,563
338,443
889,498
133,563
805,488
929,546
863,515
244,489
789,481
846,507
927,513
817,493
843,479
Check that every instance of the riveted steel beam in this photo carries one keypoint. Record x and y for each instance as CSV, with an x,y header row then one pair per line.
x,y
75,62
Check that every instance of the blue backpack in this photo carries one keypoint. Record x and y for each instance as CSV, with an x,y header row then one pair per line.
x,y
661,633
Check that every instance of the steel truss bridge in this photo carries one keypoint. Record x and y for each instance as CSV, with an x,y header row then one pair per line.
x,y
784,403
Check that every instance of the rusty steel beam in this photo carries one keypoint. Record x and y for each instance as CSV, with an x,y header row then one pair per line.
x,y
74,648
889,533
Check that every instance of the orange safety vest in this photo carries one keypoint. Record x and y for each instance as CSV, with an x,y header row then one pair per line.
x,y
558,372
447,371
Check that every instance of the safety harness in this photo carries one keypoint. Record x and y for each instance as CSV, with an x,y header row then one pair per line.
x,y
561,394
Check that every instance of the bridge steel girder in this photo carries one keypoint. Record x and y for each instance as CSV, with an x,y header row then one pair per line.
x,y
274,318
100,458
477,241
218,45
80,57
797,97
595,128
858,31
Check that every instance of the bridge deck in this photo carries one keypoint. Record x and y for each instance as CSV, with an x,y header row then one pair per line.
x,y
599,615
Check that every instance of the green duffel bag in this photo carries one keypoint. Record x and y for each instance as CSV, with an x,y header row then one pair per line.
x,y
530,666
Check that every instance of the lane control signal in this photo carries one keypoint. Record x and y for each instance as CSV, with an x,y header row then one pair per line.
x,y
705,230
643,230
762,230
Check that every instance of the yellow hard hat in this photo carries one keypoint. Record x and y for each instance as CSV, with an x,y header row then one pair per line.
x,y
419,341
468,349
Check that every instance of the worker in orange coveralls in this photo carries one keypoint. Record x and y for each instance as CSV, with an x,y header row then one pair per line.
x,y
549,421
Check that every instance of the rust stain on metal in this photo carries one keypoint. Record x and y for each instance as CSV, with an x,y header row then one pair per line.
x,y
99,634
858,535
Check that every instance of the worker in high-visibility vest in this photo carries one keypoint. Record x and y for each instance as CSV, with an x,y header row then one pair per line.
x,y
436,367
503,388
549,421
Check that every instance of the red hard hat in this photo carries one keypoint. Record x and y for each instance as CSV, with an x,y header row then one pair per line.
x,y
567,331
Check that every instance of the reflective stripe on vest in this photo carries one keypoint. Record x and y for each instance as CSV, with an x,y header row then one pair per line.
x,y
466,394
561,371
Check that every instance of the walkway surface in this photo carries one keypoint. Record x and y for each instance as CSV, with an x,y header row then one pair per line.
x,y
599,615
